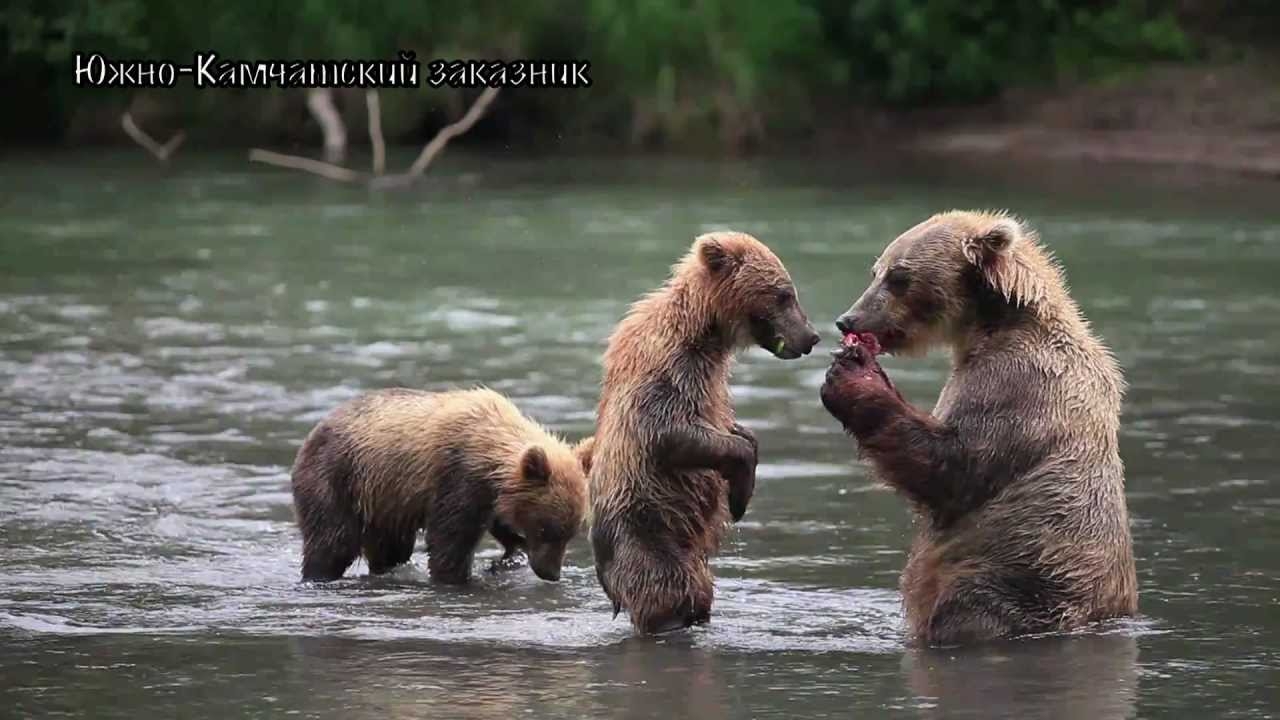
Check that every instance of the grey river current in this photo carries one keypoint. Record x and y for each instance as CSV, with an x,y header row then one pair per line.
x,y
168,338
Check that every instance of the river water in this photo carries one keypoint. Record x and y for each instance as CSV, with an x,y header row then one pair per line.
x,y
168,338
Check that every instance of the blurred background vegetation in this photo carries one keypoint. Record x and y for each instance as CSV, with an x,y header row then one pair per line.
x,y
665,71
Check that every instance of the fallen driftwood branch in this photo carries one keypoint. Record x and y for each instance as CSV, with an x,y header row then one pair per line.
x,y
315,167
148,143
377,179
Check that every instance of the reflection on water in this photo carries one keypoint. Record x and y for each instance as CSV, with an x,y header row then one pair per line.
x,y
1093,677
1084,677
166,342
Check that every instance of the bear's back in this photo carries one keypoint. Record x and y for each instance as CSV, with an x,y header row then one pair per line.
x,y
401,442
1056,508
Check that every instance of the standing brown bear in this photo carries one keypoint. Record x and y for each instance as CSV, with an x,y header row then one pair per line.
x,y
1016,478
670,465
387,464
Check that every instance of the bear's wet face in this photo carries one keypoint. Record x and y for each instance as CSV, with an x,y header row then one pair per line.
x,y
546,551
551,508
921,291
780,326
907,304
759,290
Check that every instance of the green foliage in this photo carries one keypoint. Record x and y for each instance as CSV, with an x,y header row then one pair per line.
x,y
910,51
683,62
51,30
671,68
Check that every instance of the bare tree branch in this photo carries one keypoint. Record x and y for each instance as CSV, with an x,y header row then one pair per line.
x,y
449,132
148,143
379,181
374,104
315,167
442,138
320,103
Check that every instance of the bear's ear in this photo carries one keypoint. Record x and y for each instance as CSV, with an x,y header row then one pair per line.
x,y
992,252
584,450
716,254
534,465
989,247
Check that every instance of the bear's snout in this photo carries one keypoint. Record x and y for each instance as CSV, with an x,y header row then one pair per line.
x,y
546,560
810,341
848,323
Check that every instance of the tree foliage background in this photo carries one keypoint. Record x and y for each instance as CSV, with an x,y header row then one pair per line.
x,y
662,69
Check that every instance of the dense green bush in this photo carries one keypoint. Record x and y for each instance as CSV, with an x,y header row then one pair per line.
x,y
906,51
715,63
669,69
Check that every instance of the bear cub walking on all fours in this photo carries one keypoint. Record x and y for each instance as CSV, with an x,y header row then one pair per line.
x,y
1016,476
389,463
671,466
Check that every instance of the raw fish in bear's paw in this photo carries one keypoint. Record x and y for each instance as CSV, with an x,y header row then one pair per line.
x,y
861,349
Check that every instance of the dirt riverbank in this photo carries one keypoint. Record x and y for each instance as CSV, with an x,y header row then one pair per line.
x,y
1224,118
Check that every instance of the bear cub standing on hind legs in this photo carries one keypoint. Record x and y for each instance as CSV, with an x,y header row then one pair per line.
x,y
1016,478
383,466
670,465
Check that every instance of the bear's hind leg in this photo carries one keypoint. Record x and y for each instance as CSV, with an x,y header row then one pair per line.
x,y
325,509
329,561
688,614
662,593
386,549
977,611
404,550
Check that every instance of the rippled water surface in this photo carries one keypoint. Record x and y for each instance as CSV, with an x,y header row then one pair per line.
x,y
167,339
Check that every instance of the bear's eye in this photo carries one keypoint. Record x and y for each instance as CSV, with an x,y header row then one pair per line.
x,y
785,296
897,280
548,533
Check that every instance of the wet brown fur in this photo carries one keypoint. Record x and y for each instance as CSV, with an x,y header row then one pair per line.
x,y
1016,476
389,463
667,368
583,450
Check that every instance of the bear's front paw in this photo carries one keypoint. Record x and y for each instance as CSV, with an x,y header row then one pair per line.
x,y
857,392
838,393
741,480
851,376
511,560
747,435
848,358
